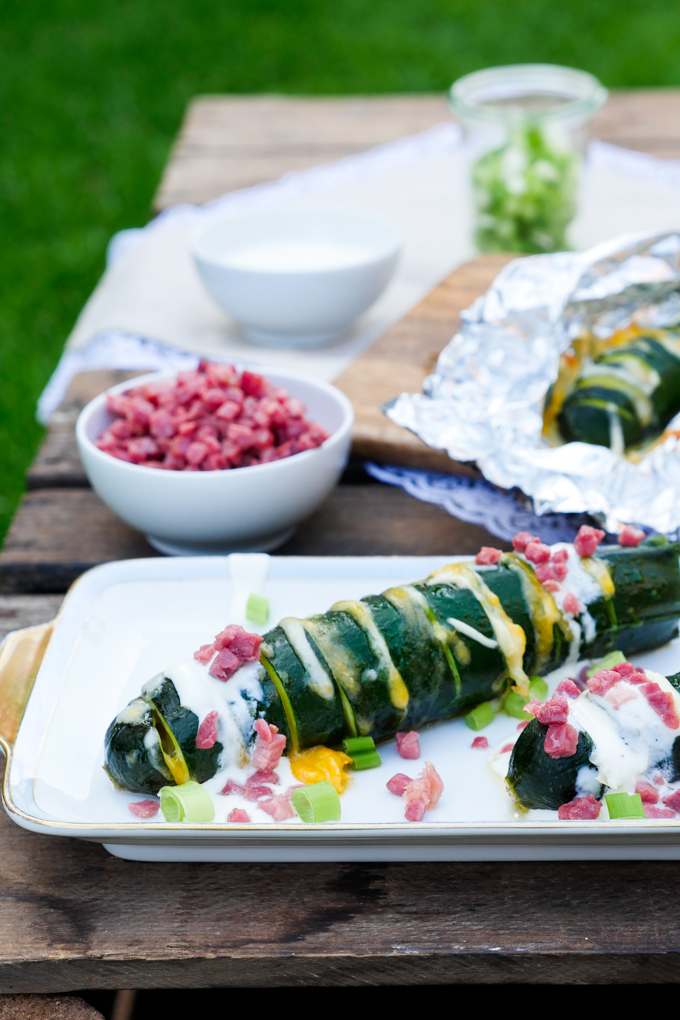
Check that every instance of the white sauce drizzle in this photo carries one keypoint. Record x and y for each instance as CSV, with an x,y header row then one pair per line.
x,y
361,613
475,635
320,682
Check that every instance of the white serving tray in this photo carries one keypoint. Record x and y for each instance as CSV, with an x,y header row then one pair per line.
x,y
123,622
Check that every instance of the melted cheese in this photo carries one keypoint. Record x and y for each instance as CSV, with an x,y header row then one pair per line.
x,y
319,680
398,596
320,763
599,571
541,605
361,613
341,661
510,637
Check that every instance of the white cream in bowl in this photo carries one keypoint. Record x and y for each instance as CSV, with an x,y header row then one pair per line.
x,y
297,277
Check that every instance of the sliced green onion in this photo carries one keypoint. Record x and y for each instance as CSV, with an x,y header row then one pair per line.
x,y
480,716
318,802
362,752
257,608
538,688
348,712
514,703
187,803
625,805
606,662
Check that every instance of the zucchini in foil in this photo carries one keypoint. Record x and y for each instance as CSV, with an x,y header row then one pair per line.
x,y
625,395
413,655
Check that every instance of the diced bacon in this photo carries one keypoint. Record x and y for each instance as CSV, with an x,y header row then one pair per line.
x,y
560,571
659,779
648,793
587,540
207,732
488,555
568,688
183,421
507,747
672,801
624,668
205,653
144,808
224,664
408,744
560,556
279,807
601,681
551,585
657,812
571,605
631,535
257,792
561,741
522,540
231,786
481,743
545,572
555,711
537,552
246,646
422,793
269,745
237,814
262,776
619,694
398,783
581,809
663,704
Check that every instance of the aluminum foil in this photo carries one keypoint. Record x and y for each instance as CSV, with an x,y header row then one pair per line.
x,y
484,401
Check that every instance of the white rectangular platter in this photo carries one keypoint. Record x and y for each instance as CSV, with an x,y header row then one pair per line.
x,y
124,622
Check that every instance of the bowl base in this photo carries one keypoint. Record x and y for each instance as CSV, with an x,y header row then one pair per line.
x,y
271,338
263,544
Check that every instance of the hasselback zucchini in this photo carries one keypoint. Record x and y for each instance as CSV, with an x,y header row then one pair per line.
x,y
413,655
625,395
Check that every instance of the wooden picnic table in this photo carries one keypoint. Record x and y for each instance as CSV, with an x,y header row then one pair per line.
x,y
71,916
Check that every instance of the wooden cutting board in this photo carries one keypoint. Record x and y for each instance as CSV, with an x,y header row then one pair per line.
x,y
400,360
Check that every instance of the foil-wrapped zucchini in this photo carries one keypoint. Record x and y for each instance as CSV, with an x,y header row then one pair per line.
x,y
625,395
415,654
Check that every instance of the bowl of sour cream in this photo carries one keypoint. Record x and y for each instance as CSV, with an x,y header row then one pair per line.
x,y
297,277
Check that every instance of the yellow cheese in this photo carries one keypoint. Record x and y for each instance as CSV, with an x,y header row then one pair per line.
x,y
600,572
362,615
510,637
319,763
542,608
342,663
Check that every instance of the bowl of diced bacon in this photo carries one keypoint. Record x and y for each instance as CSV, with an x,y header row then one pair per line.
x,y
216,460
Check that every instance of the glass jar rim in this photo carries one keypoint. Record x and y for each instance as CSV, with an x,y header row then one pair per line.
x,y
576,93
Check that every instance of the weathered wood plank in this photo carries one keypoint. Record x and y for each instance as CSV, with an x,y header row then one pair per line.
x,y
46,1007
73,917
17,611
58,533
229,142
57,462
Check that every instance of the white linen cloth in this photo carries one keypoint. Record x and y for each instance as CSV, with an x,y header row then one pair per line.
x,y
150,310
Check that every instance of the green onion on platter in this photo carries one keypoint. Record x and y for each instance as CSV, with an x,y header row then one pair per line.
x,y
514,703
480,716
257,608
625,805
318,802
189,802
362,751
606,662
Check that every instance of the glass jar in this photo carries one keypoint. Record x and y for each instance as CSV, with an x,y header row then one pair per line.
x,y
526,128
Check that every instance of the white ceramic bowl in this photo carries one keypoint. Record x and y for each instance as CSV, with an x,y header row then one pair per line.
x,y
297,277
249,509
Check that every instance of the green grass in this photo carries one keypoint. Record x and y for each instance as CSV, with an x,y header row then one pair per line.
x,y
92,94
